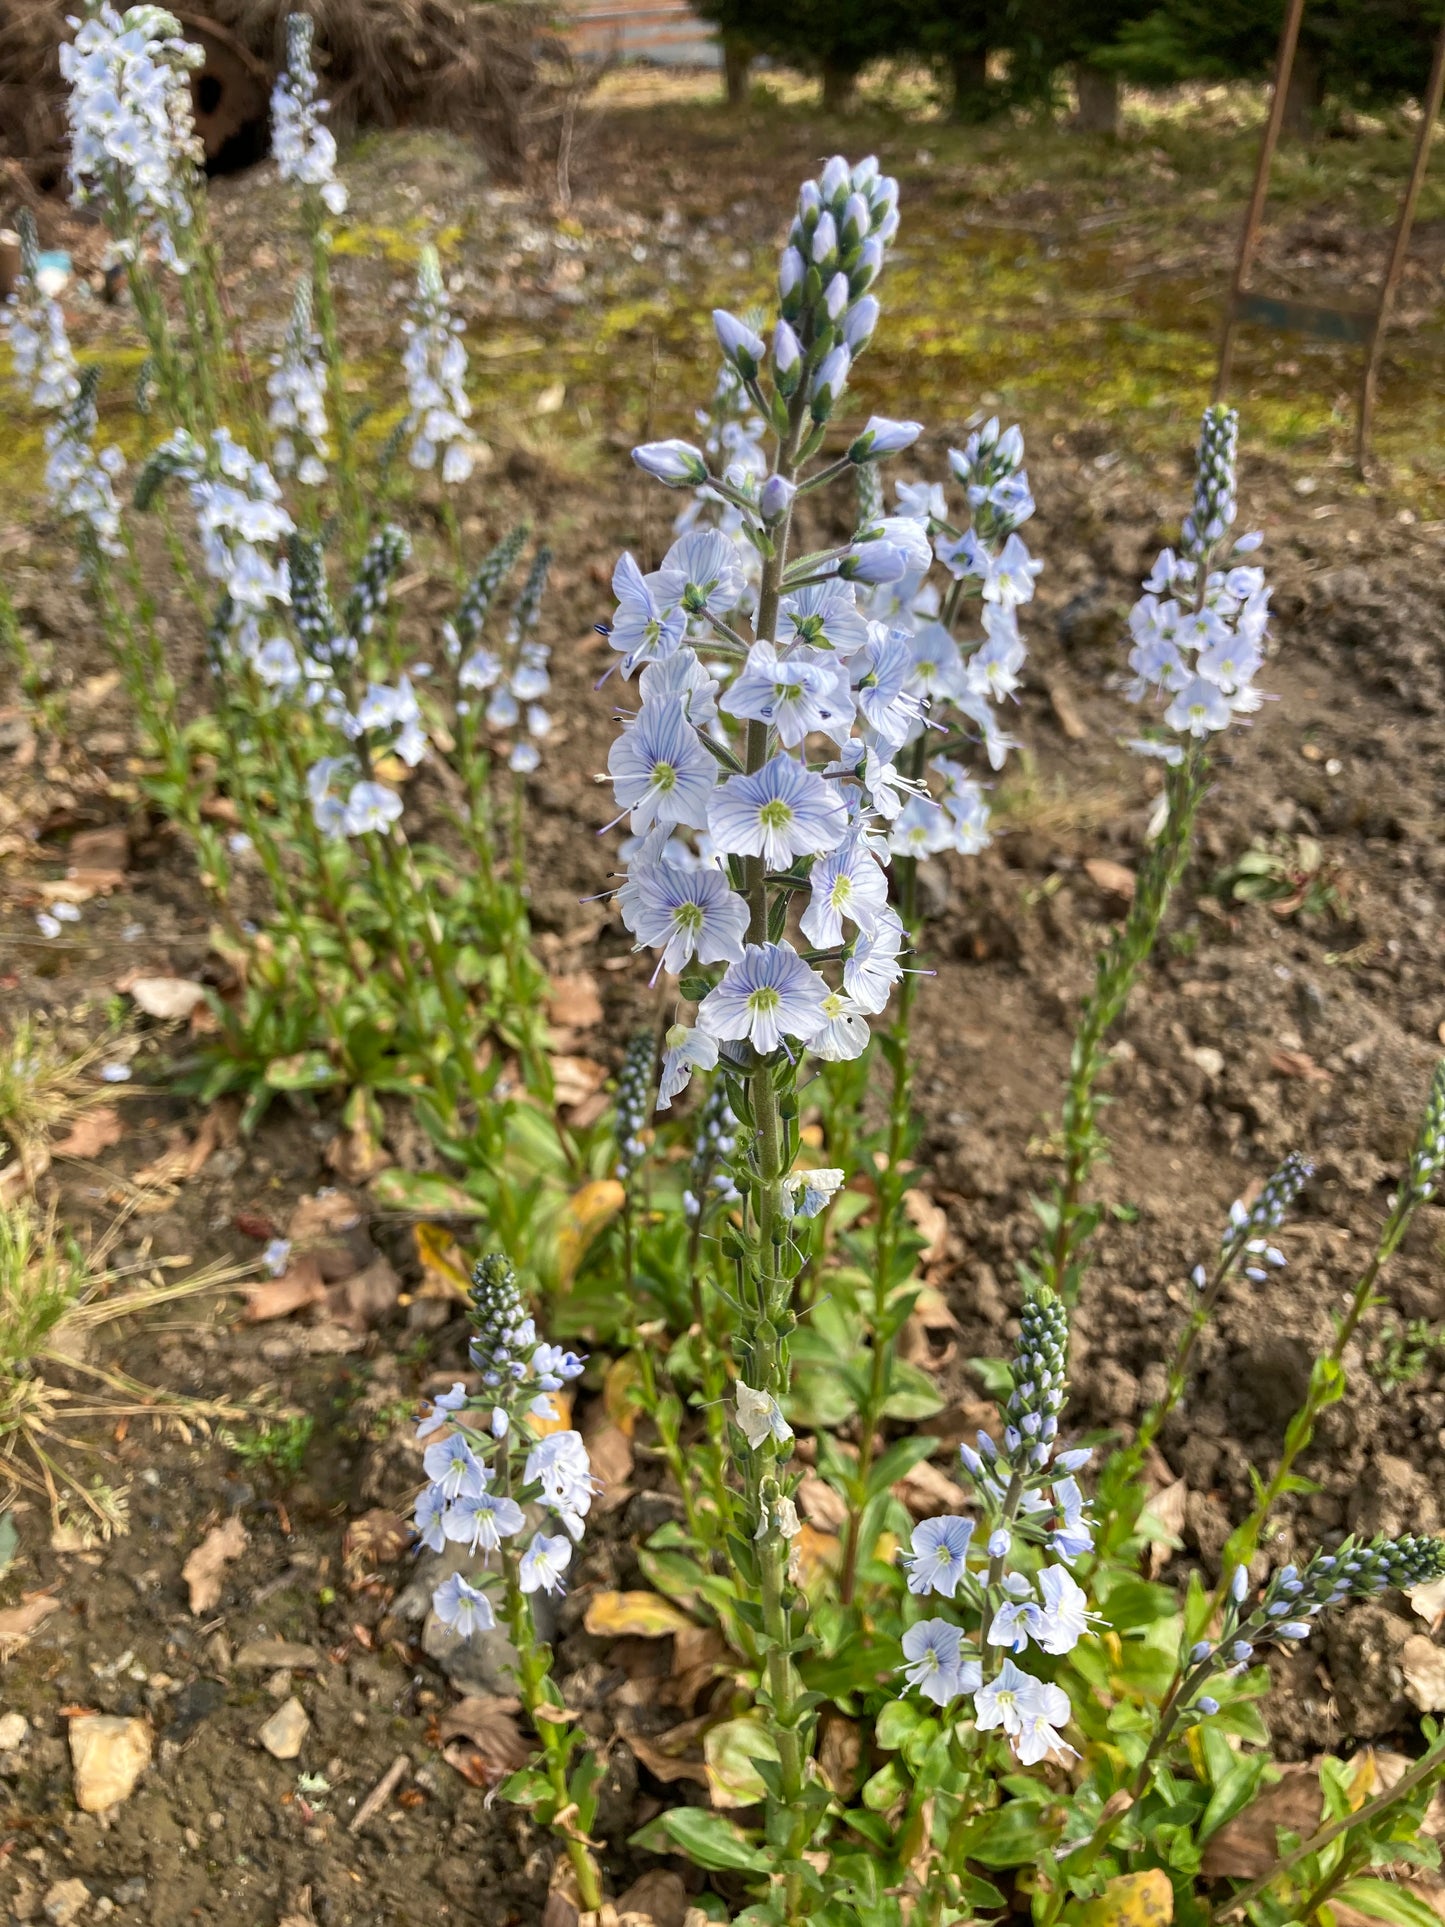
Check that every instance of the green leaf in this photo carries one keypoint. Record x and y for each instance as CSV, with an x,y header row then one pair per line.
x,y
896,1723
897,1462
712,1842
1384,1900
9,1542
913,1395
307,1070
423,1193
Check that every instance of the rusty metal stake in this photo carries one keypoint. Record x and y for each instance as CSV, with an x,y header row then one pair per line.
x,y
1399,247
1249,241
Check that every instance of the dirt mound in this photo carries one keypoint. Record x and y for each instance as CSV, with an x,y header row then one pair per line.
x,y
496,74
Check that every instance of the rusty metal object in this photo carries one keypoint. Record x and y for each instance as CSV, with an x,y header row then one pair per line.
x,y
1254,213
1369,381
1326,322
230,94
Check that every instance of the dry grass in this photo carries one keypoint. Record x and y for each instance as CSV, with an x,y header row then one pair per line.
x,y
495,74
52,1299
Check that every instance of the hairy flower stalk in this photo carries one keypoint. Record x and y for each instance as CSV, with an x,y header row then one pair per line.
x,y
484,1464
304,150
1282,1615
1198,636
732,768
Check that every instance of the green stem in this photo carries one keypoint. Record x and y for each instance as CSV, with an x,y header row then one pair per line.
x,y
885,1253
1427,1764
533,1676
1114,979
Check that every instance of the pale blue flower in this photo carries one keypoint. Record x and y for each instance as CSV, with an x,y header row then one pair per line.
x,y
1065,1617
641,627
783,811
684,1052
1071,1537
454,1468
428,1513
795,693
688,913
660,771
542,1565
939,1555
843,1034
371,808
769,995
442,1407
828,613
846,883
481,1522
701,574
463,1607
872,968
936,1663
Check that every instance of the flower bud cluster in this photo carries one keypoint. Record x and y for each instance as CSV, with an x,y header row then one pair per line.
x,y
380,564
709,1181
304,149
1295,1596
1027,1498
514,675
633,1104
1251,1227
1198,633
1427,1160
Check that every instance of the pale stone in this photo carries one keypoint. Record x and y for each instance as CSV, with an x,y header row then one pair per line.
x,y
13,1729
66,1901
284,1732
109,1755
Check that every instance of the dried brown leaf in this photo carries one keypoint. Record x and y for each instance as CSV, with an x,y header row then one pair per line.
x,y
298,1286
488,1724
573,1002
819,1504
202,1571
930,1221
363,1300
610,1451
93,1132
17,1623
1166,1508
1297,1063
377,1538
1114,879
575,1079
928,1491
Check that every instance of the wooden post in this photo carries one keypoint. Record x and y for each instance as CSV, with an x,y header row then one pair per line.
x,y
1249,240
1398,249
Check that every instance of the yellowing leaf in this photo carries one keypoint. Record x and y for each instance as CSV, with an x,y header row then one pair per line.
x,y
1133,1900
730,1750
643,1614
617,1393
587,1211
815,1555
443,1269
561,1417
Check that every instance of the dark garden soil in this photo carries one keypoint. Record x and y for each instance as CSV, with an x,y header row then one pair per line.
x,y
1258,1028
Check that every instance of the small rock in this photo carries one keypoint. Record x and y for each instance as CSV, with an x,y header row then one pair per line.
x,y
67,1900
284,1732
130,1893
1209,1060
13,1729
1423,1664
108,1754
271,1655
195,1702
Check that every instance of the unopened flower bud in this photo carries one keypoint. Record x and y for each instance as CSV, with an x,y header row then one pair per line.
x,y
776,497
835,180
678,464
824,245
884,437
742,345
835,296
830,381
868,266
859,323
